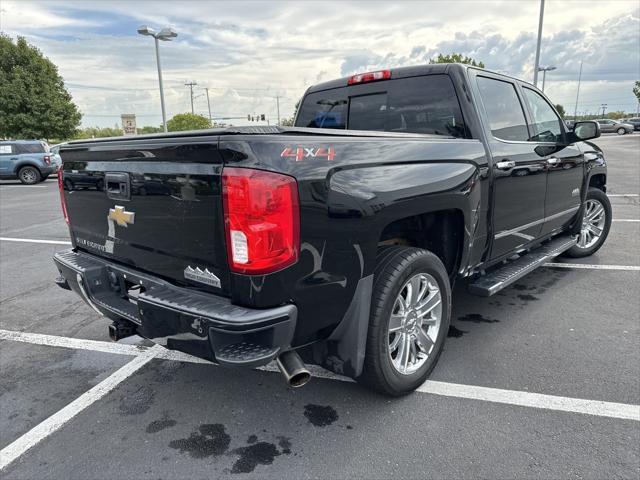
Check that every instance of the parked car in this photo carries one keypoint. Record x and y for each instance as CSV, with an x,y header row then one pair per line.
x,y
345,239
27,160
55,154
635,122
611,126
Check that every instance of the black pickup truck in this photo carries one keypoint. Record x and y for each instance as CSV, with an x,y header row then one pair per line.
x,y
339,238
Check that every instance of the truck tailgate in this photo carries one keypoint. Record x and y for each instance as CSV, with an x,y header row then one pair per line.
x,y
153,205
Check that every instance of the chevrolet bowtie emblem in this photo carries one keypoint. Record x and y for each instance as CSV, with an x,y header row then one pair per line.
x,y
121,216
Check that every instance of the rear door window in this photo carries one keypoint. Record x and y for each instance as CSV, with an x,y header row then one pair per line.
x,y
36,147
426,104
506,116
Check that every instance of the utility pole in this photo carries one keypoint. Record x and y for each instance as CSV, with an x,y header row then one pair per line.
x,y
604,107
537,65
575,110
278,107
208,105
191,85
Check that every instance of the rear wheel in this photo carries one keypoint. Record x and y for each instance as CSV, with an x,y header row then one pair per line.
x,y
596,222
29,175
621,131
409,320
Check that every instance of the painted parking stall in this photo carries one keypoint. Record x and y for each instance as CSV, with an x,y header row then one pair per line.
x,y
544,372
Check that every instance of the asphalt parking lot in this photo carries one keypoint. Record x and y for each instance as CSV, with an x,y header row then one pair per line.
x,y
541,380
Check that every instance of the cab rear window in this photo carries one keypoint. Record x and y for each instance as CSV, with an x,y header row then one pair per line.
x,y
426,104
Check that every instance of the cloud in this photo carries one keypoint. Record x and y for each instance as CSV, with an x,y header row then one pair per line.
x,y
248,53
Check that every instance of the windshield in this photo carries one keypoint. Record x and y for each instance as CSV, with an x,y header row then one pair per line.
x,y
426,104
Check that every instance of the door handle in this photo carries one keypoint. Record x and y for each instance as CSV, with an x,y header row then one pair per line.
x,y
506,165
553,161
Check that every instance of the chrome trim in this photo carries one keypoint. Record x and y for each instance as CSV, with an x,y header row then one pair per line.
x,y
505,233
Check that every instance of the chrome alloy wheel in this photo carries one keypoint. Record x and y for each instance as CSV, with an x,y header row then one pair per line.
x,y
414,324
593,223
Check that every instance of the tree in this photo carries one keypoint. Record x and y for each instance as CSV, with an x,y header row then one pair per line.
x,y
149,129
99,132
187,121
456,58
288,122
636,90
560,110
33,100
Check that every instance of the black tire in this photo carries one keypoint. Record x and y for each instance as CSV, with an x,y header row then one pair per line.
x,y
621,131
29,175
394,267
598,195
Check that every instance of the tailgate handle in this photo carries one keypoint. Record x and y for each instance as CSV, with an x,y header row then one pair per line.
x,y
118,185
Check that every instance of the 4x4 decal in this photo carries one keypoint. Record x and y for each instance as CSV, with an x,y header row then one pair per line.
x,y
300,153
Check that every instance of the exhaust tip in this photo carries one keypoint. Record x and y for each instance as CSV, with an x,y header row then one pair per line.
x,y
300,379
293,369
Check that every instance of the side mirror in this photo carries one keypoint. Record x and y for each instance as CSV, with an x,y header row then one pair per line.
x,y
584,131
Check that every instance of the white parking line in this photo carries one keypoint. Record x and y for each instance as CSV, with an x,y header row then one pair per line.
x,y
592,266
41,431
634,220
75,343
495,395
622,195
33,240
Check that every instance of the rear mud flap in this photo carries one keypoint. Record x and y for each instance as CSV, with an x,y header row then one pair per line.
x,y
343,352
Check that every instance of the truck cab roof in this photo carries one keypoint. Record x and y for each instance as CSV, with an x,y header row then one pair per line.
x,y
405,72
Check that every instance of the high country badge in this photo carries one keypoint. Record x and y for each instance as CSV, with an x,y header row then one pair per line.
x,y
202,276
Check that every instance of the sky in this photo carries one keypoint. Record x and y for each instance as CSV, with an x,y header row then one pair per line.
x,y
249,53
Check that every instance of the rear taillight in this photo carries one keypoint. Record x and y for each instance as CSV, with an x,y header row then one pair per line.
x,y
261,219
63,202
369,77
47,159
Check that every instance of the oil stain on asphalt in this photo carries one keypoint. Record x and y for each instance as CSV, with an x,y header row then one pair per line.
x,y
260,453
137,402
212,440
477,318
319,415
455,332
158,425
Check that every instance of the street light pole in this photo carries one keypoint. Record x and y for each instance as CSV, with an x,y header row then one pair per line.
x,y
537,65
544,71
575,110
164,113
166,34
